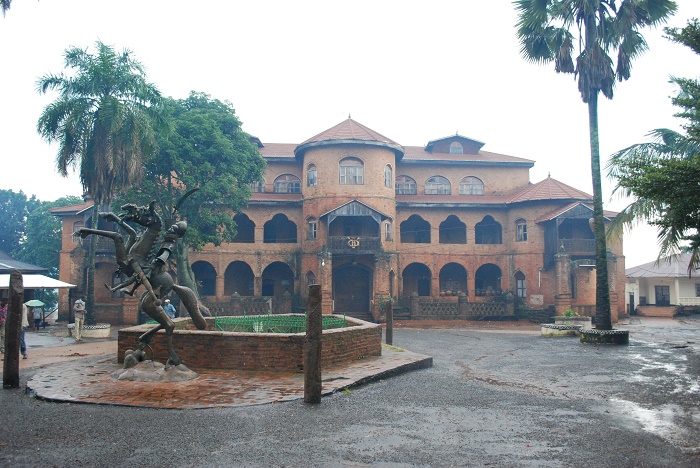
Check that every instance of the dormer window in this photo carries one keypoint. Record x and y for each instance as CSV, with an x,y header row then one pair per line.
x,y
456,148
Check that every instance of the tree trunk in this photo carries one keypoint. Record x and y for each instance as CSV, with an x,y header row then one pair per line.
x,y
602,292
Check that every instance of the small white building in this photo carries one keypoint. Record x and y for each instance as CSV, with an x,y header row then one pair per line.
x,y
658,288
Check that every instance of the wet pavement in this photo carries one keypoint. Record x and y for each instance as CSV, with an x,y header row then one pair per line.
x,y
498,394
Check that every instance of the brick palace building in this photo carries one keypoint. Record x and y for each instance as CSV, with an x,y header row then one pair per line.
x,y
368,218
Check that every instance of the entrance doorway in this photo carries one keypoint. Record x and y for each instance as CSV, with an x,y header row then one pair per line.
x,y
663,295
352,284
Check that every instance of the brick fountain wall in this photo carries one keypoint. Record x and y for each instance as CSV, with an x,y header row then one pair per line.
x,y
210,349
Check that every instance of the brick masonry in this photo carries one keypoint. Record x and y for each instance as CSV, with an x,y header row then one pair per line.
x,y
210,349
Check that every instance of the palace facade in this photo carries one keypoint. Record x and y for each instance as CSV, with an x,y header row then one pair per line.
x,y
368,218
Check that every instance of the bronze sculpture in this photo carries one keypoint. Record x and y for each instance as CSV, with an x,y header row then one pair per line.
x,y
141,267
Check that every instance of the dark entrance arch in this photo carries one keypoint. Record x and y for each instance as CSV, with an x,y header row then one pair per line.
x,y
205,275
416,278
277,279
352,288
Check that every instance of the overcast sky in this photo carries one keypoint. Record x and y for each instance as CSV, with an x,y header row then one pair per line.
x,y
413,71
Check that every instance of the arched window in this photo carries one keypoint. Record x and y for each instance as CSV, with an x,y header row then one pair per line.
x,y
311,174
415,230
520,285
245,229
257,187
287,183
77,225
471,186
352,171
520,230
388,176
437,185
456,148
311,228
405,185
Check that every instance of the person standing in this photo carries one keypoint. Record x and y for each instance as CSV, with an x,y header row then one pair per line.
x,y
169,309
79,313
25,325
36,313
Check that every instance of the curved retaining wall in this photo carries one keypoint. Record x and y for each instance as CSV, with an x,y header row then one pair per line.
x,y
210,349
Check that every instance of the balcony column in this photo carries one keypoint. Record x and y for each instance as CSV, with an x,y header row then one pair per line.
x,y
325,279
562,297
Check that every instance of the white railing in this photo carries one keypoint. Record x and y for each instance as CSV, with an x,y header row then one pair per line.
x,y
690,301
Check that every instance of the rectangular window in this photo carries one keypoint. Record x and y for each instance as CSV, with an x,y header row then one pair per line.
x,y
697,289
521,232
311,230
387,231
521,288
352,175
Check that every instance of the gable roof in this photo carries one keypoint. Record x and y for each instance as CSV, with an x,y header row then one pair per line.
x,y
71,209
349,132
675,266
470,142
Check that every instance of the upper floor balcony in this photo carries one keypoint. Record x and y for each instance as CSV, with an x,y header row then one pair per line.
x,y
576,247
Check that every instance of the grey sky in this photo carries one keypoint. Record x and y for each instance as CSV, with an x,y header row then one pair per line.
x,y
413,71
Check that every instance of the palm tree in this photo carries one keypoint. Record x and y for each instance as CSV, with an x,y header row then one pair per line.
x,y
4,6
548,31
102,120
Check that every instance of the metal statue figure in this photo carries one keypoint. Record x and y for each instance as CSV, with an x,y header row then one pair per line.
x,y
141,266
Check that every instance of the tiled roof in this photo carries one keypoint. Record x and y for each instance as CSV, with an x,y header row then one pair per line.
x,y
548,189
675,266
71,209
350,130
415,153
278,150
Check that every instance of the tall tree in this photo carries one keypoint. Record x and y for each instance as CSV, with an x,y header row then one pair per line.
x,y
204,148
548,31
14,211
102,120
661,175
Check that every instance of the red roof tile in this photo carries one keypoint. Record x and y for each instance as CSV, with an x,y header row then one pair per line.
x,y
548,189
350,130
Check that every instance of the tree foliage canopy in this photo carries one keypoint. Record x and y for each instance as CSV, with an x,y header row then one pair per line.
x,y
663,176
203,148
15,208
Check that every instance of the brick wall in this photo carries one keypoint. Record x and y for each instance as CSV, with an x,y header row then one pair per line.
x,y
209,349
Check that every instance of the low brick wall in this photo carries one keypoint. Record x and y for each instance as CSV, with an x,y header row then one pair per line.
x,y
209,349
656,311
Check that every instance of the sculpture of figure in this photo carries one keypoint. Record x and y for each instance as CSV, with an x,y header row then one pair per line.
x,y
141,267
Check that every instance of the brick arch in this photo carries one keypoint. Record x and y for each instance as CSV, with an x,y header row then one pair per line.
x,y
416,278
488,231
239,278
277,278
453,231
453,277
245,229
205,275
280,230
487,280
415,230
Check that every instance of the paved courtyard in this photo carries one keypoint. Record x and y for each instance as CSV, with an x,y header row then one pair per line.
x,y
497,395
